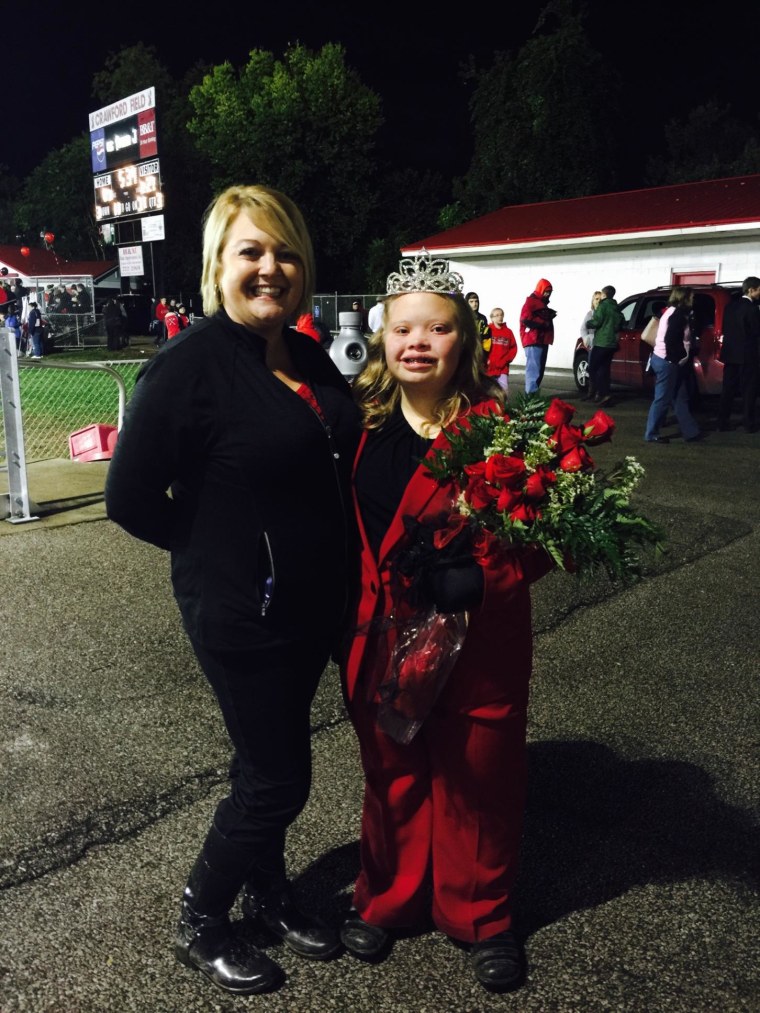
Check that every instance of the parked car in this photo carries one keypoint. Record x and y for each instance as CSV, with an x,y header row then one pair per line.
x,y
630,360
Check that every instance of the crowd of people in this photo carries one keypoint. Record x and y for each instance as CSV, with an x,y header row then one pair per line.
x,y
169,318
22,316
674,342
674,346
63,298
12,296
72,298
29,315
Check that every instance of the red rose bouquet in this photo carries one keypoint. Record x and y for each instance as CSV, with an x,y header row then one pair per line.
x,y
519,477
526,476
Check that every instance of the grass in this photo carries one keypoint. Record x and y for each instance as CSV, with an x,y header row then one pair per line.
x,y
98,353
57,402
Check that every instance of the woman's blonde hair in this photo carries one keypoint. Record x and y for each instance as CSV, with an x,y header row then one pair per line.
x,y
378,392
273,213
597,293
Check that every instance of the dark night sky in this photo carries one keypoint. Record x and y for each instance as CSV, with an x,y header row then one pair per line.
x,y
672,56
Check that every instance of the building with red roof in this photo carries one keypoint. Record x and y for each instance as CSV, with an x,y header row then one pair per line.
x,y
691,232
45,265
48,279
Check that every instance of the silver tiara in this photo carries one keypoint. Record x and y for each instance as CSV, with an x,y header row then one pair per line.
x,y
423,274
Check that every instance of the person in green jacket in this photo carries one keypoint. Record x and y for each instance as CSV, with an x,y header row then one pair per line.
x,y
606,321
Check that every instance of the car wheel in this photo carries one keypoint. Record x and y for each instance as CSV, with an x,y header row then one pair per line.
x,y
580,370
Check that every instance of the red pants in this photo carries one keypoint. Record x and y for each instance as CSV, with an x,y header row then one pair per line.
x,y
445,810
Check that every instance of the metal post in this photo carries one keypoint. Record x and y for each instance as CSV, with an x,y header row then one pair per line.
x,y
18,508
153,272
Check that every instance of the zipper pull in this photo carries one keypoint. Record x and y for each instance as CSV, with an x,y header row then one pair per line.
x,y
267,595
331,442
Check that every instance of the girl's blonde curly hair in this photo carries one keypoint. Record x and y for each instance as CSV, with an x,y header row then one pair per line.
x,y
378,392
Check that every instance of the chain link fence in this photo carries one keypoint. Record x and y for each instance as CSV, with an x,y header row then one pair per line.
x,y
73,330
56,402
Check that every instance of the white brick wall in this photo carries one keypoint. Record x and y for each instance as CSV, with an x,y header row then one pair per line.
x,y
575,271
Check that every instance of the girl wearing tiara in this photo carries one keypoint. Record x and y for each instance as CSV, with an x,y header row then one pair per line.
x,y
444,810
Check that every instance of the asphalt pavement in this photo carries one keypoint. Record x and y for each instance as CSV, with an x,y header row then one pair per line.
x,y
638,884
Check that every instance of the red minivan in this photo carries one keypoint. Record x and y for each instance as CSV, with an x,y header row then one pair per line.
x,y
629,362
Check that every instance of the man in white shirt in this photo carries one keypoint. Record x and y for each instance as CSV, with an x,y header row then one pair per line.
x,y
375,317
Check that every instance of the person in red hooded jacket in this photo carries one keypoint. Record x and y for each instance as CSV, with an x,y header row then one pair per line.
x,y
537,333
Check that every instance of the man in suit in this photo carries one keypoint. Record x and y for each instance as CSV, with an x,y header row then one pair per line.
x,y
740,355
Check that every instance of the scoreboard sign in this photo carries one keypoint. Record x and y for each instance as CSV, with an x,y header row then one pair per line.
x,y
128,191
129,140
131,262
124,150
124,132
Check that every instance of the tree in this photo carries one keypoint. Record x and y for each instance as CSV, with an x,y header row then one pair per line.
x,y
130,70
58,196
711,142
305,125
542,121
9,188
406,210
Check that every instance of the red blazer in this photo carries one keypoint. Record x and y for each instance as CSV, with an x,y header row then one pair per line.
x,y
498,647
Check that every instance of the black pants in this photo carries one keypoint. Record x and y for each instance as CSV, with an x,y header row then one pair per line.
x,y
265,696
739,379
599,364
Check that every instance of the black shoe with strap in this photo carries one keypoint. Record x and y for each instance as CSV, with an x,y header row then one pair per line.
x,y
498,962
362,940
276,909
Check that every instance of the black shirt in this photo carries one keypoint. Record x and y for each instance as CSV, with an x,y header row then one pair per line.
x,y
390,457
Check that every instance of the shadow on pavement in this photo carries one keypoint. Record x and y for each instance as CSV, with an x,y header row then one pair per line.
x,y
597,825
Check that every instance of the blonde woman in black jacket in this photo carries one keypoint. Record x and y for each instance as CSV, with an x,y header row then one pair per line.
x,y
253,429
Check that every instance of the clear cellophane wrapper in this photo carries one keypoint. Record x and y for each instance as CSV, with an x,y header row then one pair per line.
x,y
426,649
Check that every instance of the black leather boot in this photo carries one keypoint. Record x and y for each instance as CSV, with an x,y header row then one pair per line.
x,y
208,944
275,908
207,941
498,962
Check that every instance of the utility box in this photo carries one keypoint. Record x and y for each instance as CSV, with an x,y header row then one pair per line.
x,y
349,350
94,443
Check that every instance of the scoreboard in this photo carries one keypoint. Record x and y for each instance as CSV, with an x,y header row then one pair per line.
x,y
128,191
125,164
